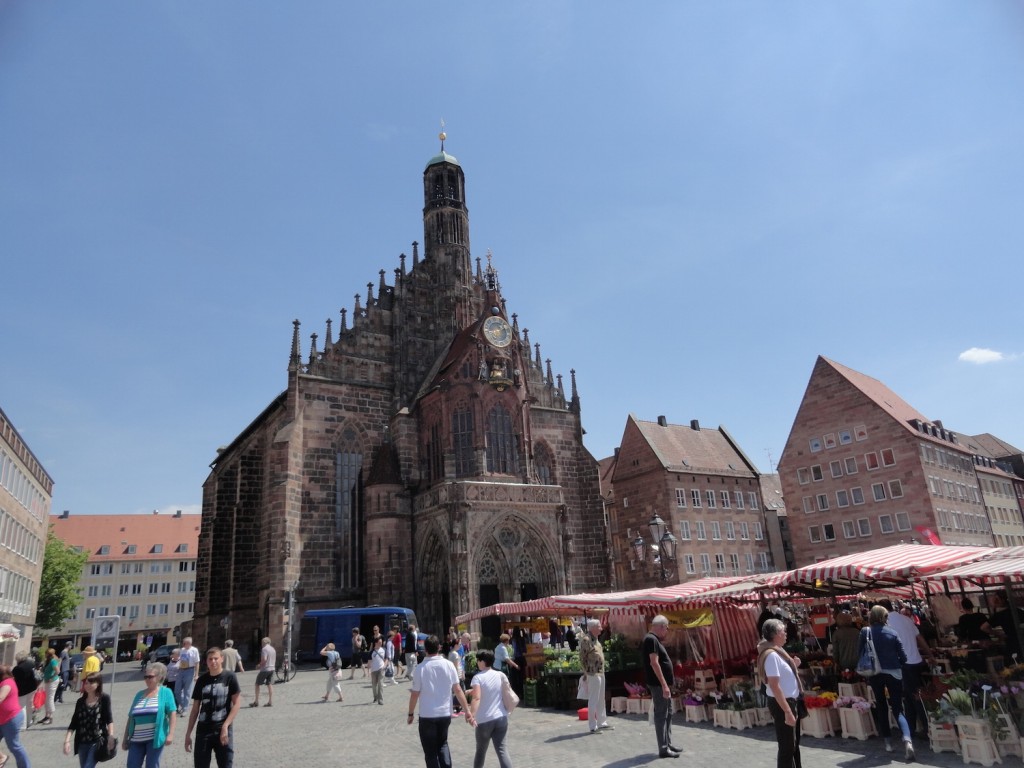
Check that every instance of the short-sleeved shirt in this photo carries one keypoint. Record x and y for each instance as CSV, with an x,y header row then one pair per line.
x,y
91,665
333,659
214,694
188,658
907,632
501,656
434,679
489,685
591,655
653,645
268,658
776,666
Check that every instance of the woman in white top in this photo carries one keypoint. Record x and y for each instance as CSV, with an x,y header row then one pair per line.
x,y
489,710
333,659
779,671
378,661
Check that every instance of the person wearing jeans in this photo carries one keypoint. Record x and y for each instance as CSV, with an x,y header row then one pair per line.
x,y
891,658
12,719
188,663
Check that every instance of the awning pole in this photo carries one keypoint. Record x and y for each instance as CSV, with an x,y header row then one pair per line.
x,y
1014,614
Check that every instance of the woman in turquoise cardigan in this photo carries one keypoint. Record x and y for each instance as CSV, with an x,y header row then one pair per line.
x,y
151,720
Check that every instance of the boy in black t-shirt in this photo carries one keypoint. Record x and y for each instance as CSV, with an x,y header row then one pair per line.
x,y
219,698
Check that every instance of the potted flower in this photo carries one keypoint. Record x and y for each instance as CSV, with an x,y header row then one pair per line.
x,y
855,717
822,720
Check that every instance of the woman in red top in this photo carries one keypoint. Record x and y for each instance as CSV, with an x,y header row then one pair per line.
x,y
12,719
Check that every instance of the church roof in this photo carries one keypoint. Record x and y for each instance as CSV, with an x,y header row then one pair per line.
x,y
443,157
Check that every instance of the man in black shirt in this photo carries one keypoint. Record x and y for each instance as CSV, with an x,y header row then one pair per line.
x,y
658,671
219,698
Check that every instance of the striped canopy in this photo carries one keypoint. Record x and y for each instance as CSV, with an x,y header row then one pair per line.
x,y
879,568
990,571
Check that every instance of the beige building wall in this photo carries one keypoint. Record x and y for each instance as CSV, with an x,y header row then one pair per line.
x,y
25,495
141,567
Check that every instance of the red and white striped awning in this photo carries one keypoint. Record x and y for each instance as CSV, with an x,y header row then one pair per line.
x,y
880,567
990,571
538,607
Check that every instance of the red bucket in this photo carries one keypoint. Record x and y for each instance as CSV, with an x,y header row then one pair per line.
x,y
584,714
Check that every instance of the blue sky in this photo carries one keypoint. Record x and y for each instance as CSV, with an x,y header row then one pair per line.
x,y
687,203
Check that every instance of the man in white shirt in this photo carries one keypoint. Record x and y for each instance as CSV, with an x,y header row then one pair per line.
x,y
434,682
188,663
914,646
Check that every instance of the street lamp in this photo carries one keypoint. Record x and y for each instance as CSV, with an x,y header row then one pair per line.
x,y
665,545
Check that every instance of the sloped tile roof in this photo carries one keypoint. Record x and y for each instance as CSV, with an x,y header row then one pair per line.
x,y
91,532
684,449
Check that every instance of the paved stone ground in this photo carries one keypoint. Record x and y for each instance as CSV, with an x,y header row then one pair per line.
x,y
300,731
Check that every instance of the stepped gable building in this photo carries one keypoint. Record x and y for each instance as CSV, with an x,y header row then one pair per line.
x,y
704,489
863,469
428,457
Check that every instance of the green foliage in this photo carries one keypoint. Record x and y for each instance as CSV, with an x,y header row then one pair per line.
x,y
58,588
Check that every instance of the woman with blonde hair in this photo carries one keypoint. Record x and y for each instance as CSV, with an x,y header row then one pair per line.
x,y
151,719
333,671
891,658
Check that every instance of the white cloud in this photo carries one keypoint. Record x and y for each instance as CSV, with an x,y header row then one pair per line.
x,y
981,356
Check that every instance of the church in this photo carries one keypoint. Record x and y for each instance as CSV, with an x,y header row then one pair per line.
x,y
427,457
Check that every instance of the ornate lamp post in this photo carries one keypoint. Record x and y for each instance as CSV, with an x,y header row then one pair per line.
x,y
665,545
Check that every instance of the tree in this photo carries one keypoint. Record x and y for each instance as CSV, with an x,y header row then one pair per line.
x,y
58,589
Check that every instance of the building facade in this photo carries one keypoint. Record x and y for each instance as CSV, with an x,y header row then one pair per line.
x,y
702,486
140,567
26,491
863,469
426,457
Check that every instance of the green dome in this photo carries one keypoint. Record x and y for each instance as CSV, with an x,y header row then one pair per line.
x,y
444,157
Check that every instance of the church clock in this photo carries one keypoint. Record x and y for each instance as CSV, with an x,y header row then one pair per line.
x,y
497,332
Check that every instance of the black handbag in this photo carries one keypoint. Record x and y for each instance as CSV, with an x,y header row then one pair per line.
x,y
103,754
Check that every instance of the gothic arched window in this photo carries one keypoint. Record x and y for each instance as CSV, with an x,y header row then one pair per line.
x,y
502,453
348,512
435,453
543,464
462,439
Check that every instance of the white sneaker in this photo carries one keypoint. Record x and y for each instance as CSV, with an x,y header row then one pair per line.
x,y
909,751
888,745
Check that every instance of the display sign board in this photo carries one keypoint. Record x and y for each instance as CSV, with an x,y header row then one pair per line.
x,y
690,619
105,630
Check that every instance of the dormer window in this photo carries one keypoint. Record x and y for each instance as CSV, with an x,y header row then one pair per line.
x,y
182,548
104,550
157,549
130,550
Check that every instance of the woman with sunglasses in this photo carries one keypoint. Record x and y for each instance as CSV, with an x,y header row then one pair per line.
x,y
91,723
151,719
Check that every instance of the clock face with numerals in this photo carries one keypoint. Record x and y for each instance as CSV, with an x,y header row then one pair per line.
x,y
497,331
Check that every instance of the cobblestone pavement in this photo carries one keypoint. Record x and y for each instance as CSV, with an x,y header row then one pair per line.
x,y
300,731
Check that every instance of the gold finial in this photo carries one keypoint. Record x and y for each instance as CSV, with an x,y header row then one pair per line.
x,y
442,135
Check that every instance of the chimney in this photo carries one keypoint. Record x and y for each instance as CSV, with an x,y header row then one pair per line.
x,y
65,514
662,421
155,512
178,513
695,425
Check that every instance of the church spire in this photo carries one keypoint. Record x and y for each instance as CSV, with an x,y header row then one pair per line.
x,y
295,360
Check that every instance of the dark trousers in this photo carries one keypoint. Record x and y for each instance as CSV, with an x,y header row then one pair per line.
x,y
787,736
662,718
207,743
434,739
912,707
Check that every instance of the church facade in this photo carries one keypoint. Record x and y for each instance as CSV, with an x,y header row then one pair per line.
x,y
427,457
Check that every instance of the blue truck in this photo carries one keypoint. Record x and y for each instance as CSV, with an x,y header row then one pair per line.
x,y
334,625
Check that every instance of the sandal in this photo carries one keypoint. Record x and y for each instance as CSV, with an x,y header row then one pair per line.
x,y
268,704
251,705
